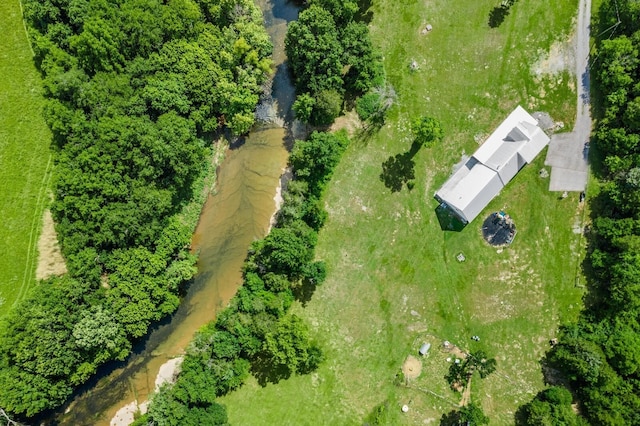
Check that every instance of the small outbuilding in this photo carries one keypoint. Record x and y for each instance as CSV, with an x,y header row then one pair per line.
x,y
424,348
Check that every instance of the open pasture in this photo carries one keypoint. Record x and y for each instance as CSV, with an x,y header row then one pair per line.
x,y
25,161
394,280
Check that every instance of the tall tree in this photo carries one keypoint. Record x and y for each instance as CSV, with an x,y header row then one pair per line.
x,y
314,51
426,131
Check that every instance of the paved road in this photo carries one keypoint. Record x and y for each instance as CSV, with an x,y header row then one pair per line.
x,y
567,154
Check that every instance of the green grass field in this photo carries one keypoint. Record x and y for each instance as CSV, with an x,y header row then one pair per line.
x,y
394,281
25,162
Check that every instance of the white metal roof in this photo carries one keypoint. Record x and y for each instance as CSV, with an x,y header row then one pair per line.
x,y
519,134
462,188
512,134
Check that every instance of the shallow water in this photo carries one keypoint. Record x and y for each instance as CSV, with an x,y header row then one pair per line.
x,y
236,215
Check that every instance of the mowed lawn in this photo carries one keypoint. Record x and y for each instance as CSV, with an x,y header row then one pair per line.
x,y
24,158
394,281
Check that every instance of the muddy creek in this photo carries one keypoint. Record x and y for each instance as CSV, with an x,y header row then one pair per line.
x,y
239,213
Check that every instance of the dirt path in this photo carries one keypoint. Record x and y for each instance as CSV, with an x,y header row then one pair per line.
x,y
568,152
50,260
583,122
466,394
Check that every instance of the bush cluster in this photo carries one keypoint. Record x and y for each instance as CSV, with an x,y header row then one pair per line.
x,y
131,88
331,54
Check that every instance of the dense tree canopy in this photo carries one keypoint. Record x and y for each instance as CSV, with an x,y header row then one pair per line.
x,y
330,53
131,87
551,406
468,415
288,346
315,158
599,354
314,51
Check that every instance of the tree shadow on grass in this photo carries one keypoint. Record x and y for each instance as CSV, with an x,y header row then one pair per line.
x,y
399,170
452,418
304,292
365,13
497,16
267,372
367,131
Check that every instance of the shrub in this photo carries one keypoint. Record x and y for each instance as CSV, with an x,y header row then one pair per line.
x,y
368,106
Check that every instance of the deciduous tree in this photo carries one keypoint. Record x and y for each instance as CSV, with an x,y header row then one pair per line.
x,y
426,131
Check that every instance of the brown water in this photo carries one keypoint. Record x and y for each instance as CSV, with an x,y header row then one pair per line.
x,y
236,215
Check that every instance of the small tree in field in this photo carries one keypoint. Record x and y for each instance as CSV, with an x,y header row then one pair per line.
x,y
471,415
461,372
426,131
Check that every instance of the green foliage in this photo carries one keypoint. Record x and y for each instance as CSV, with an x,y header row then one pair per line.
x,y
580,359
315,273
460,372
457,374
621,348
314,51
468,415
167,410
426,131
142,420
330,53
342,11
132,86
362,60
599,354
551,406
287,250
368,105
303,107
327,107
41,359
482,363
138,292
314,160
98,333
288,346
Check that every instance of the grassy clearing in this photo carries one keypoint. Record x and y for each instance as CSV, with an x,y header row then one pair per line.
x,y
394,281
25,162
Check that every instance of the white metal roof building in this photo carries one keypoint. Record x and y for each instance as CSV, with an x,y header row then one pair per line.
x,y
516,142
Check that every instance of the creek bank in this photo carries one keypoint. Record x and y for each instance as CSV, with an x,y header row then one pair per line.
x,y
248,191
167,374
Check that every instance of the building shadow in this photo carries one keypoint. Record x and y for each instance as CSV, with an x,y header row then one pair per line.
x,y
448,220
